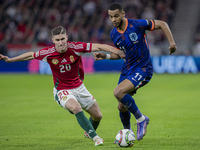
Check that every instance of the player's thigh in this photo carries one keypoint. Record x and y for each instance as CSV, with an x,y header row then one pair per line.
x,y
134,81
73,106
84,97
139,78
63,96
123,88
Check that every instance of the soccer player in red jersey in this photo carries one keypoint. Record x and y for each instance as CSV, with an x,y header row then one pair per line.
x,y
64,58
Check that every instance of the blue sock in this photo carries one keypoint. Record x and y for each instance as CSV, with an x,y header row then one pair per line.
x,y
129,103
125,119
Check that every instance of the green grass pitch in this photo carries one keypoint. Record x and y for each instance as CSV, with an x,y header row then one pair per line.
x,y
31,120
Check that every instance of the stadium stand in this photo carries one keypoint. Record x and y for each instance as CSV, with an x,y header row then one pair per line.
x,y
30,21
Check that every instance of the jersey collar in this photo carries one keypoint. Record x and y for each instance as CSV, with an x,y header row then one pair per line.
x,y
125,27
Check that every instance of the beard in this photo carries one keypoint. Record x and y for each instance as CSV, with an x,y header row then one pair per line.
x,y
120,23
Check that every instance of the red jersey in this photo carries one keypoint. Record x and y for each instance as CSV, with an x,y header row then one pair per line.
x,y
66,67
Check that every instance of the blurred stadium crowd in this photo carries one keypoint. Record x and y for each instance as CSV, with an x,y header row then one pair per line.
x,y
30,21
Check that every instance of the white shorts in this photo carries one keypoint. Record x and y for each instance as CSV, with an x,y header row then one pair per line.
x,y
80,94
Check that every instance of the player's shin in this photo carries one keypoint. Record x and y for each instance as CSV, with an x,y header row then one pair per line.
x,y
125,119
129,103
85,124
95,124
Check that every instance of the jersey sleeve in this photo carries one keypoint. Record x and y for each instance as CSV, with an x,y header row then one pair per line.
x,y
81,47
151,25
143,24
37,55
43,53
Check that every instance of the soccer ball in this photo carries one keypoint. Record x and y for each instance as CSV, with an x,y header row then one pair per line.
x,y
125,138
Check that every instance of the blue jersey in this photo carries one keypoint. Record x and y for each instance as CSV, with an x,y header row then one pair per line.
x,y
133,42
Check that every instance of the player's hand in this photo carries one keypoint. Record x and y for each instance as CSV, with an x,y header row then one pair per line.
x,y
5,58
99,56
121,54
172,49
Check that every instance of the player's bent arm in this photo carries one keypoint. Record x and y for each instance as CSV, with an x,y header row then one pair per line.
x,y
103,47
165,28
114,56
22,57
107,48
101,56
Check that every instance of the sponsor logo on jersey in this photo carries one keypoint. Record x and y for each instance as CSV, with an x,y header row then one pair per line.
x,y
133,37
64,60
71,58
55,61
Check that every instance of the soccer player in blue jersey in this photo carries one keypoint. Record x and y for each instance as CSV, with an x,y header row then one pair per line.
x,y
129,35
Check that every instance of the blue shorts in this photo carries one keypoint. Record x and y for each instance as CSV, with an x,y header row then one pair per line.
x,y
139,78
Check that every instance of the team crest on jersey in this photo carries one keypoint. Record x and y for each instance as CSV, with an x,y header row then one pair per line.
x,y
64,98
71,58
55,61
133,36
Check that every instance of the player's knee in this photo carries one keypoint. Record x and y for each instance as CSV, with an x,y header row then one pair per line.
x,y
97,116
100,116
76,109
118,93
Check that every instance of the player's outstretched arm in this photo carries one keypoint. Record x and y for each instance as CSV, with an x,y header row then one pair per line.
x,y
165,28
107,48
101,56
23,57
